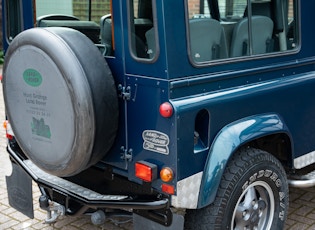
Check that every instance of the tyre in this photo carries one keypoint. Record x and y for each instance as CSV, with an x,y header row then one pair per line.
x,y
253,194
60,98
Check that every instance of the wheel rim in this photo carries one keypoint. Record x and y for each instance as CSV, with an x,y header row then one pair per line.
x,y
255,208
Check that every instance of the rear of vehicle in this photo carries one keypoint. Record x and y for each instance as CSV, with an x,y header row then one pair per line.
x,y
147,107
70,113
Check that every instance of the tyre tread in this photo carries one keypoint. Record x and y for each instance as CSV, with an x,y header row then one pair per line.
x,y
212,215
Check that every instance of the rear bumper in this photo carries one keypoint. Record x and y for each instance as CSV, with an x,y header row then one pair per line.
x,y
84,196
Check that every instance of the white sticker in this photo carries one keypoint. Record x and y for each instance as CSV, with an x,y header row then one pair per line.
x,y
155,141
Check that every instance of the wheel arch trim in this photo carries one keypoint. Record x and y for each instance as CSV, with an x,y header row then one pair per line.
x,y
227,141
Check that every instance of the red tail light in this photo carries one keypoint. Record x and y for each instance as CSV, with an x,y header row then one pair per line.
x,y
169,189
166,109
8,129
146,171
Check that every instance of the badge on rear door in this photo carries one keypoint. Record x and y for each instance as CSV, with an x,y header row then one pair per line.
x,y
155,141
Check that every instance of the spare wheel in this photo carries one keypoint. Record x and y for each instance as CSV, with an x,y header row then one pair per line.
x,y
60,98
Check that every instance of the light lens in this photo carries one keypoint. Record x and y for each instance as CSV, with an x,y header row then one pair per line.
x,y
166,109
8,129
146,171
143,172
166,174
169,189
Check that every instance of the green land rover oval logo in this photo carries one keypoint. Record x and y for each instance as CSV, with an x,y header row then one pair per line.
x,y
32,77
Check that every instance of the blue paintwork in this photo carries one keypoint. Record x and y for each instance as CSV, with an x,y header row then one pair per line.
x,y
226,142
27,19
278,96
4,26
4,40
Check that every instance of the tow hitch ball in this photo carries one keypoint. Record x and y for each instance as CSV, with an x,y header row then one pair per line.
x,y
54,210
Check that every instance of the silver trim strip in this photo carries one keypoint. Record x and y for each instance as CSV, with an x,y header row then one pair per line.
x,y
304,160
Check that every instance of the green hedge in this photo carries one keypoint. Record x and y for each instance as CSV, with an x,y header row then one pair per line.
x,y
1,57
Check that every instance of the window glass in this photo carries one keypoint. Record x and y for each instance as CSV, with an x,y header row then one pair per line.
x,y
232,9
91,17
13,18
82,9
237,28
142,33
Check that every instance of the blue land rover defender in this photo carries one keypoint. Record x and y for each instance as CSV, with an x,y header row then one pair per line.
x,y
194,114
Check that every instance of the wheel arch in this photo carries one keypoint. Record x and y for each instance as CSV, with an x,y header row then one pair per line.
x,y
259,131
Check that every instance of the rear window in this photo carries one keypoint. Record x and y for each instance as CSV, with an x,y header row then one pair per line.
x,y
229,29
143,39
83,9
92,18
13,18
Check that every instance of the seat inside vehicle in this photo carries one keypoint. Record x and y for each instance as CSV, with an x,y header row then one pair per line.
x,y
262,28
207,40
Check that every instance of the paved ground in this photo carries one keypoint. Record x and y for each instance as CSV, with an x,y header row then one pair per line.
x,y
301,211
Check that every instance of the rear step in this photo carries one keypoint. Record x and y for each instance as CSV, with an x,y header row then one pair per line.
x,y
302,181
155,208
69,186
86,196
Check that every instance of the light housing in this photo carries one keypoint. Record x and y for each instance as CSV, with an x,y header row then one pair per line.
x,y
8,129
166,174
145,171
166,109
169,189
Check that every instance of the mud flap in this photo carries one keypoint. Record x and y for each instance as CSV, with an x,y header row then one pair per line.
x,y
19,187
140,222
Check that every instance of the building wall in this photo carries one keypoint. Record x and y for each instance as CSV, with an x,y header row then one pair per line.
x,y
193,6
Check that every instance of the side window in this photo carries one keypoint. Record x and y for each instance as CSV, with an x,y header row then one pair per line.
x,y
13,18
93,18
84,10
142,32
239,28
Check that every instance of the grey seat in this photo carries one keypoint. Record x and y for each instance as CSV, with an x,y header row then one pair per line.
x,y
62,17
262,28
150,38
207,40
106,35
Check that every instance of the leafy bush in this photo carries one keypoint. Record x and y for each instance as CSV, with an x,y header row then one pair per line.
x,y
1,57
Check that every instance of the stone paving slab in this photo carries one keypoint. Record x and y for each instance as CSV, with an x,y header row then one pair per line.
x,y
301,211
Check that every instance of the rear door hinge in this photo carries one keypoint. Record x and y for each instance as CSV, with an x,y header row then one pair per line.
x,y
126,154
124,92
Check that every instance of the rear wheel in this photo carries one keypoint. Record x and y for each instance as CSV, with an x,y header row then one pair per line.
x,y
253,194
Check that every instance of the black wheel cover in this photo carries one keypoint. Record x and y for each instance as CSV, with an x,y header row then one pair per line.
x,y
60,99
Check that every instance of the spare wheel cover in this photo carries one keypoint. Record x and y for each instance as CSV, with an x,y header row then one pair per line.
x,y
60,98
